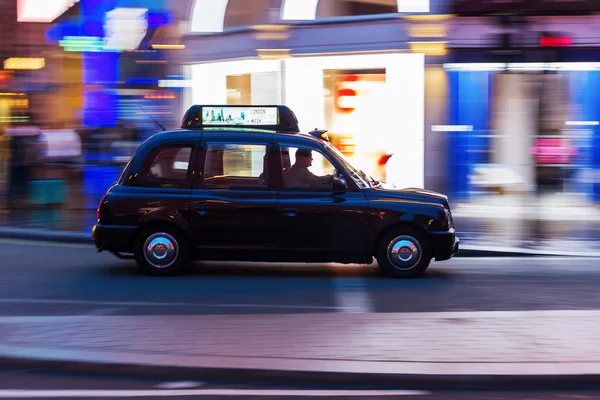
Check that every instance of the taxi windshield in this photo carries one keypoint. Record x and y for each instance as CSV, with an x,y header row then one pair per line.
x,y
362,179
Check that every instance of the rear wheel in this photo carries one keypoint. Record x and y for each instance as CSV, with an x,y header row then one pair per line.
x,y
404,253
161,251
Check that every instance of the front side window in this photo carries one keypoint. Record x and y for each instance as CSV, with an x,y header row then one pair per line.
x,y
306,168
358,176
236,165
169,164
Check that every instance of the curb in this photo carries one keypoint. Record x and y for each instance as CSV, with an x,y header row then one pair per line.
x,y
468,251
45,235
347,379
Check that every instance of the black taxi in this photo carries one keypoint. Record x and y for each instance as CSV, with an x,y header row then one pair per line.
x,y
242,183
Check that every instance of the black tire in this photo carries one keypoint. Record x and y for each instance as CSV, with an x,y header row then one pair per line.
x,y
412,267
170,265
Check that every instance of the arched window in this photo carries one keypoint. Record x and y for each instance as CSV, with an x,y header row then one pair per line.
x,y
216,15
314,9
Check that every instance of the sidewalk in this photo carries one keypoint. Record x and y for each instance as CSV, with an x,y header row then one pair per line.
x,y
413,347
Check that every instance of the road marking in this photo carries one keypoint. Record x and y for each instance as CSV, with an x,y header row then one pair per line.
x,y
351,296
36,394
523,258
103,311
157,304
179,385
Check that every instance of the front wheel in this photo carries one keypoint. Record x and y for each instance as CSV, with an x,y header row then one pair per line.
x,y
160,251
404,253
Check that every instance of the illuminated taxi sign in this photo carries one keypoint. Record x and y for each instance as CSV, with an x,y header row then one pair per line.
x,y
240,116
275,118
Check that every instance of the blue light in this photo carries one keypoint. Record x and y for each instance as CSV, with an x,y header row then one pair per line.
x,y
157,19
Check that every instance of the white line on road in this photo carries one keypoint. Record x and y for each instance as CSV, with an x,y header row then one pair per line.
x,y
158,304
179,385
37,394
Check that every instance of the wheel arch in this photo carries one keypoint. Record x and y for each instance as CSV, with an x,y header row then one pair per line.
x,y
157,225
398,226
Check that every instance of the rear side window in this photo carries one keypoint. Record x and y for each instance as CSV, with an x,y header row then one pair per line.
x,y
168,165
236,165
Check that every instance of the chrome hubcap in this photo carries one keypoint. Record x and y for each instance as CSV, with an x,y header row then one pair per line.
x,y
404,252
161,250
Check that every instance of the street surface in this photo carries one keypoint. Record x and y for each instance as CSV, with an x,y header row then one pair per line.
x,y
225,300
16,384
61,279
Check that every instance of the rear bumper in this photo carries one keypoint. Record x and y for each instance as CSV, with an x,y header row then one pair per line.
x,y
445,245
118,239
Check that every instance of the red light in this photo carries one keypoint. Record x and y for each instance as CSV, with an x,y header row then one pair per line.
x,y
99,206
558,41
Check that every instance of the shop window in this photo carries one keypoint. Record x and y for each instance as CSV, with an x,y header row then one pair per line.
x,y
236,165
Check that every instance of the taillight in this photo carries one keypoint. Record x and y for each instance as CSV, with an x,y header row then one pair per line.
x,y
99,206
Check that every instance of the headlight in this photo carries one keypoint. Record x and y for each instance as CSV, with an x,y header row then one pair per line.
x,y
446,220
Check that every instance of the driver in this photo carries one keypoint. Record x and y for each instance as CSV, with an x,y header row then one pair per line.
x,y
299,175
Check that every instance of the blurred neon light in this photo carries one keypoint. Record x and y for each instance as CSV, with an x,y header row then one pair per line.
x,y
24,63
574,66
125,28
81,44
552,41
159,97
168,46
42,10
428,31
174,83
553,151
582,123
429,48
208,16
452,128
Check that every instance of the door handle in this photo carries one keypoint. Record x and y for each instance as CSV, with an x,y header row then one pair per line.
x,y
290,212
202,210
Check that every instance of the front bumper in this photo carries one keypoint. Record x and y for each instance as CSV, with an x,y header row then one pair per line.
x,y
445,245
446,253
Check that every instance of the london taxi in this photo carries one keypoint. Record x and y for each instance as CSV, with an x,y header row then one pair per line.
x,y
242,183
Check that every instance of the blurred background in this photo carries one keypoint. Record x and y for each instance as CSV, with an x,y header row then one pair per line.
x,y
495,103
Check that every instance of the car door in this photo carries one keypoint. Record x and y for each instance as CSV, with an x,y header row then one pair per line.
x,y
234,201
162,188
316,221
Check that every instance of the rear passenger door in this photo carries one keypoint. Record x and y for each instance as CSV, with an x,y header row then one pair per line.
x,y
234,201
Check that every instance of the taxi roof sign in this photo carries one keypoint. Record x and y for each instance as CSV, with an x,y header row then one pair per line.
x,y
277,118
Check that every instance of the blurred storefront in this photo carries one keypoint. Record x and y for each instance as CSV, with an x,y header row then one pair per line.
x,y
522,121
523,95
347,67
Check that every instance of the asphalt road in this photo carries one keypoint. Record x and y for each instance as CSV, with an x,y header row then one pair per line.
x,y
37,385
62,279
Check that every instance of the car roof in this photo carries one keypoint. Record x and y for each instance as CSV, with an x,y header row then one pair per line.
x,y
177,135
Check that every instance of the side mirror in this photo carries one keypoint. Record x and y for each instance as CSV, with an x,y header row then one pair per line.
x,y
338,183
